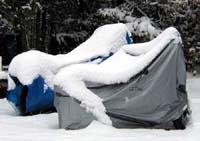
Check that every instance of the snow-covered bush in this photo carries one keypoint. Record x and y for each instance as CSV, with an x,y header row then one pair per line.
x,y
138,26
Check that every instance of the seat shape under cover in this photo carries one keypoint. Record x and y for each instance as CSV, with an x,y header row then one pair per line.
x,y
142,85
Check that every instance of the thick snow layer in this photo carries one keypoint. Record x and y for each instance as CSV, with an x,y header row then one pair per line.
x,y
119,68
3,75
44,127
29,65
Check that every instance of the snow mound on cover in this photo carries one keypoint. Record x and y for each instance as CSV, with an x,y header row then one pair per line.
x,y
119,68
29,65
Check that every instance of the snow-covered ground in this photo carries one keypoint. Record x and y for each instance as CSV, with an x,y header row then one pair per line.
x,y
45,126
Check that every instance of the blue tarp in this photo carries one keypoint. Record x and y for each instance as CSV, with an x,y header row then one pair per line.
x,y
39,97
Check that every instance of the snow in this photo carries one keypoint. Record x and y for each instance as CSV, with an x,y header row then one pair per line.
x,y
44,127
29,65
3,75
60,39
119,68
27,7
139,26
38,5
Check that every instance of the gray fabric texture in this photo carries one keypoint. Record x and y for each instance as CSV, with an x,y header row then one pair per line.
x,y
152,99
